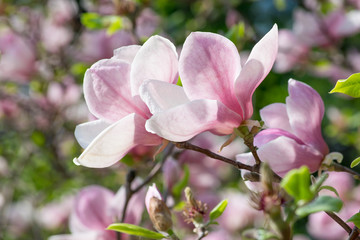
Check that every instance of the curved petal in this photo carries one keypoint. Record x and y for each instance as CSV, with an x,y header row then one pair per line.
x,y
91,209
85,133
284,154
275,116
107,91
305,109
116,141
159,95
126,53
208,66
256,68
157,59
270,134
185,121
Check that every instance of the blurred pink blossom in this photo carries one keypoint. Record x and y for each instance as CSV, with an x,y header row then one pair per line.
x,y
146,23
96,45
55,214
95,208
17,62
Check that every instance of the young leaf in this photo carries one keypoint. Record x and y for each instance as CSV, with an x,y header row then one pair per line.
x,y
355,162
330,188
297,184
349,86
92,20
355,219
218,210
135,230
179,186
322,203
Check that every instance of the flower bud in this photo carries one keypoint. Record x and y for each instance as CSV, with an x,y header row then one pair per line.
x,y
160,215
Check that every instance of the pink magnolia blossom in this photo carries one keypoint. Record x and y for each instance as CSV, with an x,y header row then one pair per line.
x,y
111,89
95,208
146,23
152,192
293,137
17,62
216,94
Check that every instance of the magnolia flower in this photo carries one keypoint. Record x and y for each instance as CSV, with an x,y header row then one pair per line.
x,y
216,94
18,58
111,89
293,137
95,208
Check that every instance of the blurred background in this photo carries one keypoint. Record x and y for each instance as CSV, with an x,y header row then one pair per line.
x,y
46,47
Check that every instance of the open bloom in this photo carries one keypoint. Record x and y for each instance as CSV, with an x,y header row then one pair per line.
x,y
293,137
111,89
216,94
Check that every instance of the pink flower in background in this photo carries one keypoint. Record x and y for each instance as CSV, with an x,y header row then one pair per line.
x,y
291,51
105,44
95,208
146,23
293,137
111,89
17,62
216,94
320,225
55,214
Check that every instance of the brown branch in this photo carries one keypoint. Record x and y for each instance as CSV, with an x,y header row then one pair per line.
x,y
354,234
337,219
189,146
340,168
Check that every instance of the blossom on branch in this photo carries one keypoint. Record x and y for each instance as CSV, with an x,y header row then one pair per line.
x,y
111,89
293,137
216,94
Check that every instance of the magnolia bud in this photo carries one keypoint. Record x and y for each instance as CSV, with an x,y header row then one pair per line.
x,y
160,215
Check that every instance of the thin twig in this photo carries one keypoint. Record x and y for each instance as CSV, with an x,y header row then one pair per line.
x,y
340,168
189,146
337,219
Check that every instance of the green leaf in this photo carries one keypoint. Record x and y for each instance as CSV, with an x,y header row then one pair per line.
x,y
92,20
355,219
135,230
297,184
330,188
349,86
218,210
179,186
322,203
315,188
280,5
355,162
114,24
38,138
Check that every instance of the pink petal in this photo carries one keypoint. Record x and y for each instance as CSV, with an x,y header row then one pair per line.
x,y
85,133
157,59
126,53
270,134
256,68
116,141
208,66
275,116
185,121
159,95
284,154
305,109
91,209
107,91
152,192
